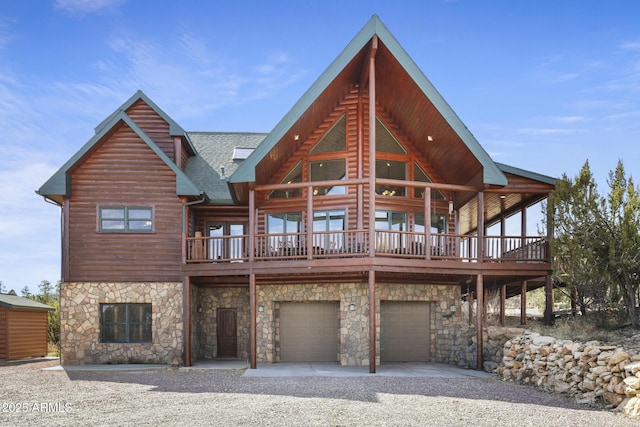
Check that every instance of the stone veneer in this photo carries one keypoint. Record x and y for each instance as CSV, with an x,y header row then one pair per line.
x,y
204,315
80,323
354,325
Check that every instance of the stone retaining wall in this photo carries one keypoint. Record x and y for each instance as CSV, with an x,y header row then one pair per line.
x,y
80,323
589,370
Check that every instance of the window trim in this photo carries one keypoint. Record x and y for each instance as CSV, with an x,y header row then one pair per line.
x,y
125,219
126,323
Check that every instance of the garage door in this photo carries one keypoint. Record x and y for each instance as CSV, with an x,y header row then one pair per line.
x,y
309,332
404,331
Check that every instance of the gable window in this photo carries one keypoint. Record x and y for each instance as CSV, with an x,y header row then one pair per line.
x,y
328,170
126,219
294,176
334,140
421,176
125,323
386,142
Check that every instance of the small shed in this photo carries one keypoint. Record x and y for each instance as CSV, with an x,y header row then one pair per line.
x,y
23,327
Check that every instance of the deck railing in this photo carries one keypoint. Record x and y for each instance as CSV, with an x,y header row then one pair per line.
x,y
355,243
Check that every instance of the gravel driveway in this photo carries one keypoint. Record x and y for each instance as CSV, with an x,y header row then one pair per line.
x,y
226,398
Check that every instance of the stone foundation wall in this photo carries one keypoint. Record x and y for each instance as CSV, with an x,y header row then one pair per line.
x,y
354,325
80,323
588,371
207,301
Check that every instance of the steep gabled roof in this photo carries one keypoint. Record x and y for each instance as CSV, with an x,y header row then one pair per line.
x,y
60,183
491,173
14,301
174,128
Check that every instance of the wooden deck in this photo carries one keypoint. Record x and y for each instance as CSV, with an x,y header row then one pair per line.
x,y
356,244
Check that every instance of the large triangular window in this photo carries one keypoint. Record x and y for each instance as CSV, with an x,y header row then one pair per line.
x,y
386,142
295,175
334,140
421,176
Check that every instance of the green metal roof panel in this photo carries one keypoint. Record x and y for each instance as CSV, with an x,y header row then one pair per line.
x,y
527,174
60,182
14,301
491,173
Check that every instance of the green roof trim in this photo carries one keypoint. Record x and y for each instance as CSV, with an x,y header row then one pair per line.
x,y
527,174
60,183
491,173
14,301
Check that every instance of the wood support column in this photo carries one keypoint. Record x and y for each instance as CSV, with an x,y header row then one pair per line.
x,y
252,224
252,313
186,292
427,222
503,305
372,322
480,228
480,322
470,299
548,306
372,147
523,302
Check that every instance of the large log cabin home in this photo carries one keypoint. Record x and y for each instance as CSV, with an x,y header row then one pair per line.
x,y
354,232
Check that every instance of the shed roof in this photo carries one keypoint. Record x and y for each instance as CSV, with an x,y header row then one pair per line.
x,y
14,301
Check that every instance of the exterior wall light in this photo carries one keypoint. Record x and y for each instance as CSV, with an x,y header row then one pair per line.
x,y
352,307
261,308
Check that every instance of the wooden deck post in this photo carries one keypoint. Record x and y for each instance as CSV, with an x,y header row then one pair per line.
x,y
253,311
186,292
252,224
372,147
548,306
480,229
479,322
372,322
523,302
503,303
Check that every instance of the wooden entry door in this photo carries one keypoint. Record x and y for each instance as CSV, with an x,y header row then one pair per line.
x,y
227,333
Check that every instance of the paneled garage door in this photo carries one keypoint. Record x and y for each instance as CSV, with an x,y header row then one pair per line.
x,y
309,332
404,331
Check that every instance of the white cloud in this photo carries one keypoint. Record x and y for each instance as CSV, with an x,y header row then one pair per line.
x,y
81,7
547,131
632,45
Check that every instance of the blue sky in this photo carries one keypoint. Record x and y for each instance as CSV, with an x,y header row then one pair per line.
x,y
543,85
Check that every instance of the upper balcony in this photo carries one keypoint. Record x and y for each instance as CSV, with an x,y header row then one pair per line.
x,y
357,243
359,233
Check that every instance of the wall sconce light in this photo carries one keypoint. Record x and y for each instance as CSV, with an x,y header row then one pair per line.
x,y
352,307
199,309
450,207
452,308
261,308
